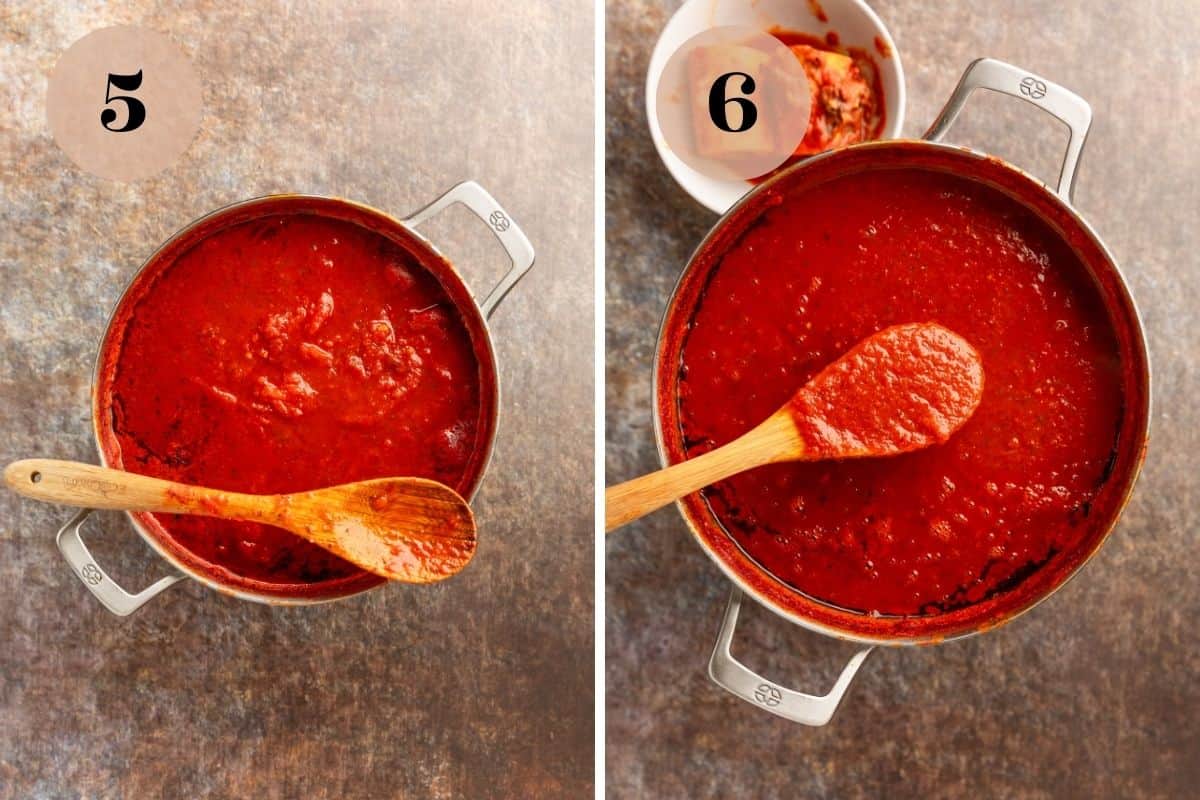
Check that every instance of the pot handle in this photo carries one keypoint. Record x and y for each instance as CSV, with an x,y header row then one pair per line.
x,y
114,598
735,677
1070,108
505,228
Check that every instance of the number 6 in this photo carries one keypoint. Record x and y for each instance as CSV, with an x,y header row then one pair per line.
x,y
717,102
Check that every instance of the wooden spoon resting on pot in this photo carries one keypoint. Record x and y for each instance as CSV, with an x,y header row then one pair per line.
x,y
404,529
902,389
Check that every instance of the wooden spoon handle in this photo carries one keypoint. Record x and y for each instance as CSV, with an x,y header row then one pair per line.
x,y
72,483
776,439
628,501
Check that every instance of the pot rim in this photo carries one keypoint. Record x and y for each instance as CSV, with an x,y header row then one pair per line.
x,y
208,580
1138,339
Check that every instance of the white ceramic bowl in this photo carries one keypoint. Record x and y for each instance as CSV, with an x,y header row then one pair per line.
x,y
856,26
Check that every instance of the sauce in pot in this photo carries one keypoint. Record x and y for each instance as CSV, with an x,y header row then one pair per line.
x,y
286,353
928,532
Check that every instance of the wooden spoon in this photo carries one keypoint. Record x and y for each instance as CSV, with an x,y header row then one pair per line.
x,y
404,529
902,389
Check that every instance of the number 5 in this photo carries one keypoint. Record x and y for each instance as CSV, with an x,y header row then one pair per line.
x,y
134,108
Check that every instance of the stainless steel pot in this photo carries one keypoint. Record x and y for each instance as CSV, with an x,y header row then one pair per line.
x,y
1051,205
470,194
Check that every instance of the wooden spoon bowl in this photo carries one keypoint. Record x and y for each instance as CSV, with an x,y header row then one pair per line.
x,y
405,529
901,389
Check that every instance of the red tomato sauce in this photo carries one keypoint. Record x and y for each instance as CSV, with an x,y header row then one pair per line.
x,y
940,529
901,389
286,353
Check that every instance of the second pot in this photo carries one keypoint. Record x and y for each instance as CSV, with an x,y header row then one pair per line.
x,y
1053,209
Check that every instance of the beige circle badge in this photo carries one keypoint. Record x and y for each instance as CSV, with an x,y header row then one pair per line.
x,y
124,103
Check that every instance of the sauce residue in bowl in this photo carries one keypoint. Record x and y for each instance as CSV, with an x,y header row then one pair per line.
x,y
847,103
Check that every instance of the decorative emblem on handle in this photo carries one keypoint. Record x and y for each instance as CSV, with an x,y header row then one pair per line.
x,y
1032,88
768,695
499,221
91,573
